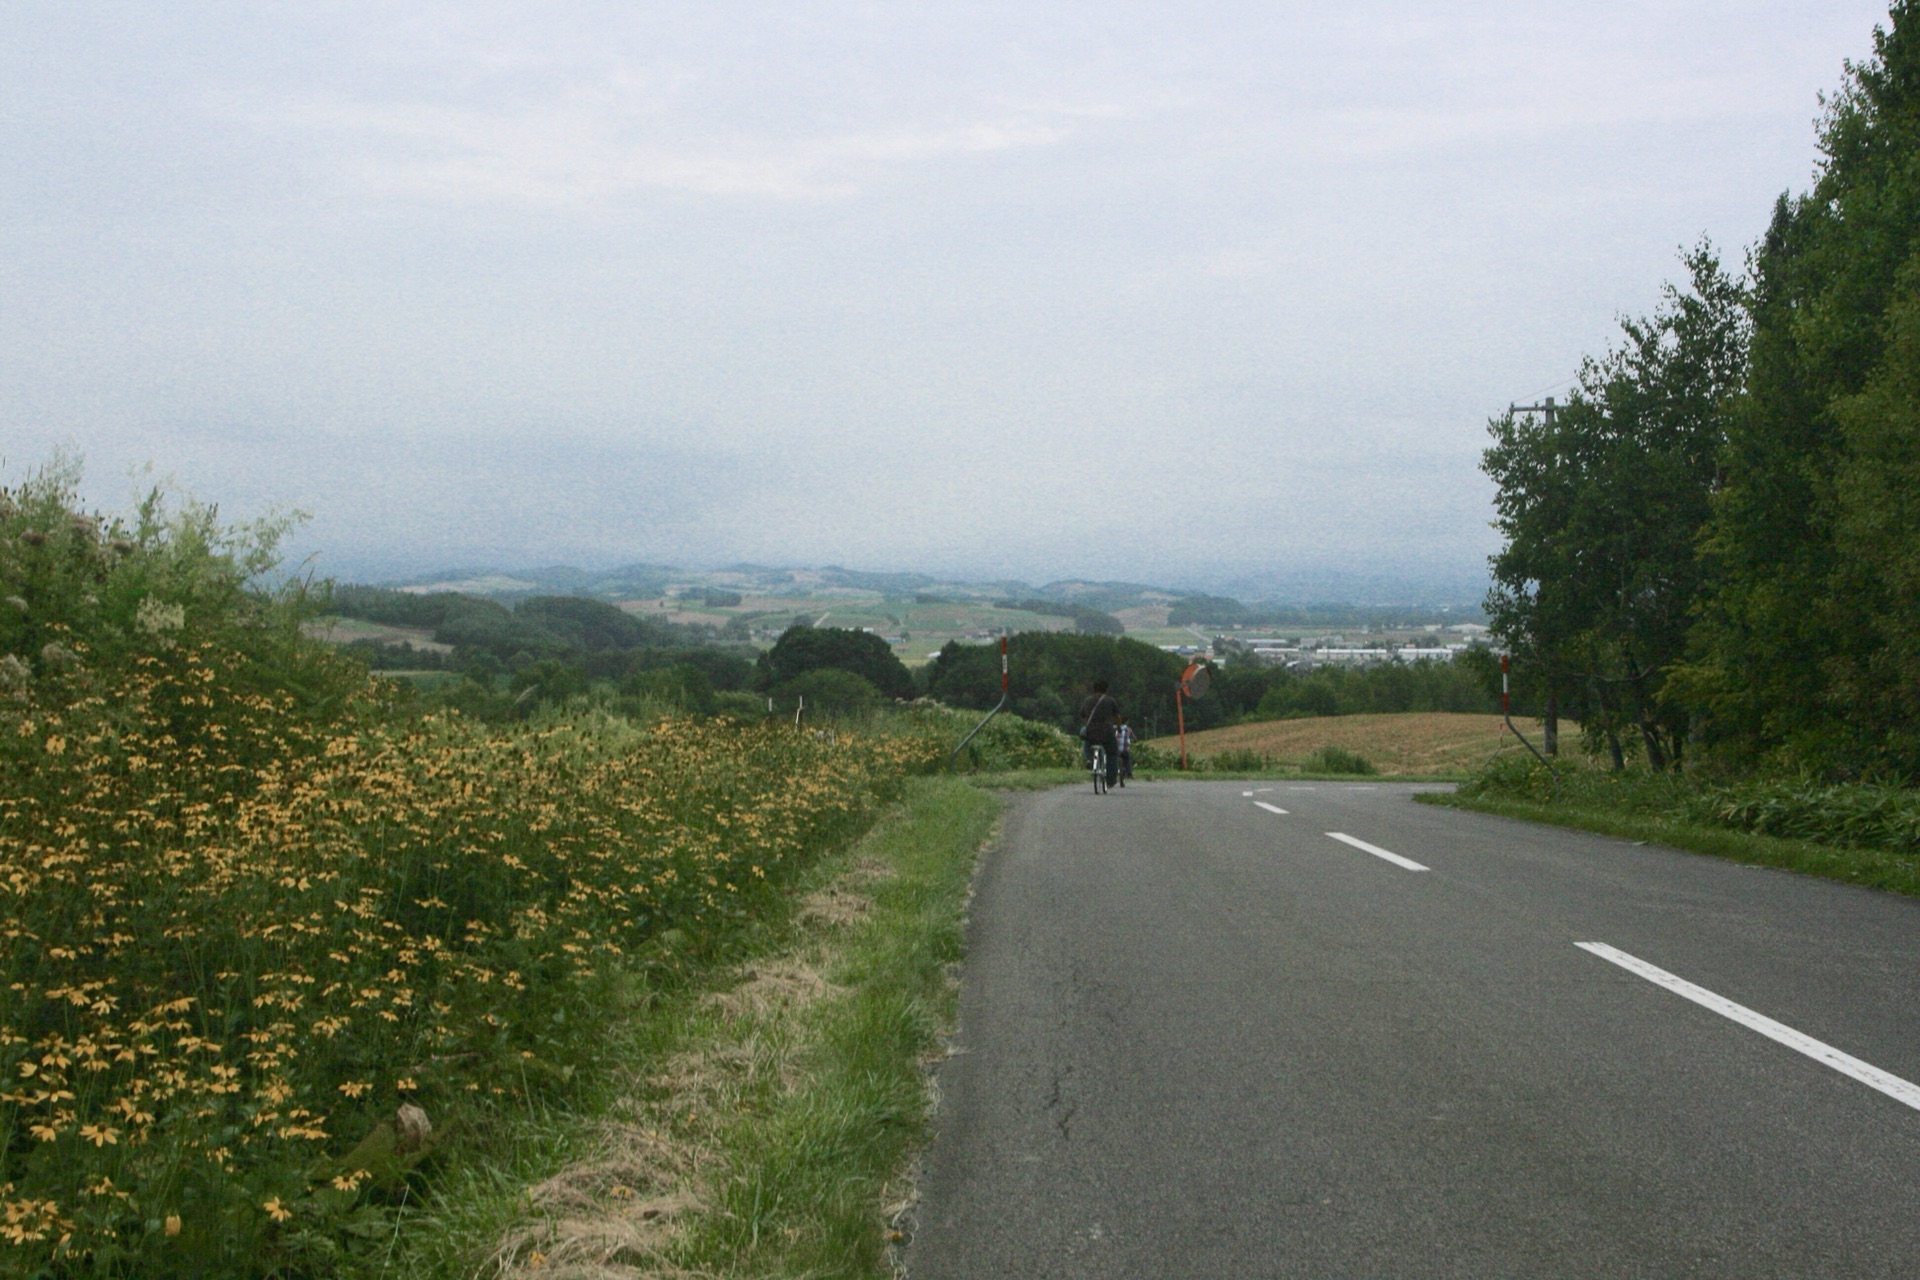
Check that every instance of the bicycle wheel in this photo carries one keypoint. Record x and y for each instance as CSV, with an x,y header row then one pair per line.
x,y
1099,770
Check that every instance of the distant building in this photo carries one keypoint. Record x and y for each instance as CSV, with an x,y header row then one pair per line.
x,y
1353,657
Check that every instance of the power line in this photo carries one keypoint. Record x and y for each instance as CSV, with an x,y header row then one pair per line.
x,y
1564,382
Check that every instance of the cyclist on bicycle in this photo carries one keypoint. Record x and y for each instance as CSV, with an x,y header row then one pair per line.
x,y
1099,716
1123,747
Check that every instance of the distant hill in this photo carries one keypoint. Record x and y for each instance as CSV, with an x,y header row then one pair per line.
x,y
1072,595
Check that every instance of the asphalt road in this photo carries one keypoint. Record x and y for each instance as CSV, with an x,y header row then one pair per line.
x,y
1202,1038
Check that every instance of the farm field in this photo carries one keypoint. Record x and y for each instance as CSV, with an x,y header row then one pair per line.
x,y
1415,743
347,630
926,627
1144,617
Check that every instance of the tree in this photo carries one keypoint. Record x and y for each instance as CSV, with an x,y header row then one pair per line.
x,y
1535,605
1602,507
1803,651
1877,537
590,625
1051,671
830,691
801,649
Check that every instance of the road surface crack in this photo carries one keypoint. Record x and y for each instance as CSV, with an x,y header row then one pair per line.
x,y
1063,1110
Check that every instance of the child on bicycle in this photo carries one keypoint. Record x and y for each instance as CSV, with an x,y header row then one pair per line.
x,y
1123,746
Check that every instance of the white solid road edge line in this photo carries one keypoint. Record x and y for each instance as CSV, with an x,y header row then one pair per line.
x,y
1377,851
1846,1064
1270,808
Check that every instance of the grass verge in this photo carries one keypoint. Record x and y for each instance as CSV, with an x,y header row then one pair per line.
x,y
759,1123
1873,868
1046,779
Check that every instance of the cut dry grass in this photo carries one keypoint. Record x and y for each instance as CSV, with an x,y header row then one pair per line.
x,y
763,1125
1409,744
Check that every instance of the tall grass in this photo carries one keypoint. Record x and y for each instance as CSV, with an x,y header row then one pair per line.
x,y
1008,742
1844,815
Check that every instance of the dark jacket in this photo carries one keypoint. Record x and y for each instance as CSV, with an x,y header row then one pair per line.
x,y
1100,714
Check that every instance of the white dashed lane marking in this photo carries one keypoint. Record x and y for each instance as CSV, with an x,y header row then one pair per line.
x,y
1377,851
1845,1063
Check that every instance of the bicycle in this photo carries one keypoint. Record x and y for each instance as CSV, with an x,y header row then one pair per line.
x,y
1098,755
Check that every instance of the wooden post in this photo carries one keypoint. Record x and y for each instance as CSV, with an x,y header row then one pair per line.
x,y
1179,709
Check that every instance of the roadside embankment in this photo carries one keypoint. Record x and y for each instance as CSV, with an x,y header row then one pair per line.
x,y
762,1120
1856,833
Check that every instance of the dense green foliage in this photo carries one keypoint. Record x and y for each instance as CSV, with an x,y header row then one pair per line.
x,y
1808,644
1049,673
803,649
489,634
1844,815
1718,542
1601,505
592,625
1426,685
545,651
1008,742
1338,760
87,600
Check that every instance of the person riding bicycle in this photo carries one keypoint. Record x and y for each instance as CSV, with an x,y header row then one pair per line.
x,y
1099,717
1123,747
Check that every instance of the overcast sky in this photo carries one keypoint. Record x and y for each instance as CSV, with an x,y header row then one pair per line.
x,y
1185,293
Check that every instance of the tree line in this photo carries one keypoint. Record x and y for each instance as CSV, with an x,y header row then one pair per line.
x,y
549,649
1715,544
1050,672
1086,619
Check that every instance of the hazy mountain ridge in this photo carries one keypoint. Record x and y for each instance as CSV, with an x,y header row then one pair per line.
x,y
1317,591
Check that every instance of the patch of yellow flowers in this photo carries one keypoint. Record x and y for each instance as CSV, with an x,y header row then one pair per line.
x,y
235,938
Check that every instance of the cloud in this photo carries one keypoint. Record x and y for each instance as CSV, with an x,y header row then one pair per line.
x,y
1062,287
611,146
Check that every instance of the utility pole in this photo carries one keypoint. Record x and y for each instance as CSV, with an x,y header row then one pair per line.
x,y
1550,713
1547,407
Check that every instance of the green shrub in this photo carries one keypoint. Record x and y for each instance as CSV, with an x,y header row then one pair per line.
x,y
803,649
682,686
1511,777
1008,742
1851,815
1338,760
1241,760
1847,815
828,691
1146,756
